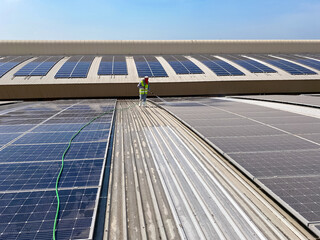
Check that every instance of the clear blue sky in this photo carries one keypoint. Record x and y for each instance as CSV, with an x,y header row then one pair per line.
x,y
159,19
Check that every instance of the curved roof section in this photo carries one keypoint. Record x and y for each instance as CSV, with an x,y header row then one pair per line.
x,y
16,47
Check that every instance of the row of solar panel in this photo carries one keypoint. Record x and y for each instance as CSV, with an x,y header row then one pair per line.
x,y
30,160
78,66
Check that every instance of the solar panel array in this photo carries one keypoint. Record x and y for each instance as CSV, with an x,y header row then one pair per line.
x,y
113,65
182,65
8,63
30,159
75,67
305,61
39,67
249,64
287,66
279,150
218,66
149,66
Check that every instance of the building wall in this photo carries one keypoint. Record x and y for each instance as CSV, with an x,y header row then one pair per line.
x,y
158,47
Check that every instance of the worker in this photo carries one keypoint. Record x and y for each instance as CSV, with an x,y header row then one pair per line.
x,y
143,91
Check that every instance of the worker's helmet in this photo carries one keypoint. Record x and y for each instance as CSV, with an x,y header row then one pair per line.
x,y
146,77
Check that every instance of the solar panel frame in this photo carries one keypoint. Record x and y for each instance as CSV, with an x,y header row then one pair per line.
x,y
251,65
182,65
39,66
8,63
149,66
75,67
218,66
287,66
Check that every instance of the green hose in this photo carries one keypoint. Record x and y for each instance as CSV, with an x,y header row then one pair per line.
x,y
62,165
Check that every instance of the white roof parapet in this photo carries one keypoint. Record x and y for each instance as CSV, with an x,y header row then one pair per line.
x,y
129,47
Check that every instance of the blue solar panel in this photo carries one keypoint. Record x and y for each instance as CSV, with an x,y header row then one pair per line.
x,y
43,175
48,152
287,66
30,215
70,127
63,137
30,166
219,67
249,64
9,63
113,65
14,129
305,61
149,66
5,138
38,67
182,65
75,67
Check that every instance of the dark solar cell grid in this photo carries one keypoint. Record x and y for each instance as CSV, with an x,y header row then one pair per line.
x,y
288,120
312,137
272,164
182,65
300,193
219,67
25,116
300,128
63,137
113,65
31,214
302,60
39,67
287,66
219,122
261,143
9,63
15,129
43,175
249,64
236,131
7,137
70,127
77,120
4,121
47,152
75,67
149,66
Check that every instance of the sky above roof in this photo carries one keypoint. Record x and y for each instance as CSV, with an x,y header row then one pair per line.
x,y
158,19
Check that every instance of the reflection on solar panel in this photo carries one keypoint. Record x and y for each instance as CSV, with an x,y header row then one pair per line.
x,y
39,67
113,65
149,66
218,66
287,66
30,159
182,65
251,65
75,67
305,61
270,146
8,63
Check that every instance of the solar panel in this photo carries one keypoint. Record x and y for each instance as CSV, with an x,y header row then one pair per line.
x,y
218,66
305,61
113,65
30,163
30,215
281,160
182,65
149,66
287,66
8,63
75,67
249,64
39,67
